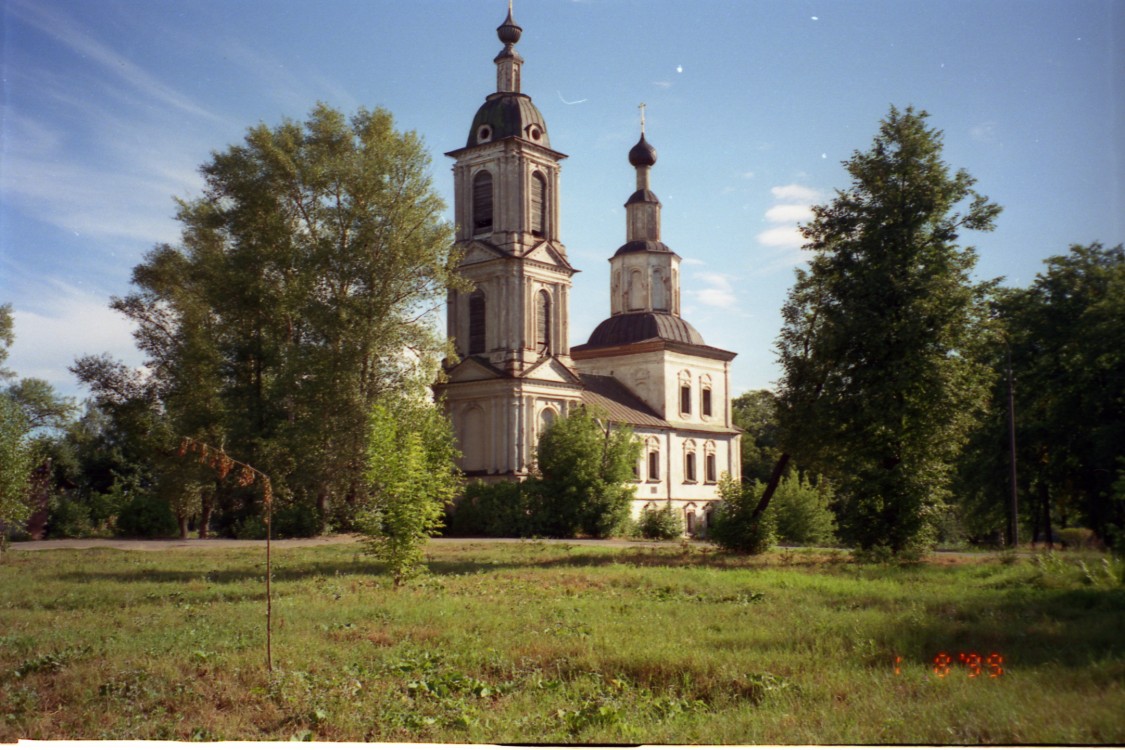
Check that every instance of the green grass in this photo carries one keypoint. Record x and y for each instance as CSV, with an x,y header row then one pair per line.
x,y
535,642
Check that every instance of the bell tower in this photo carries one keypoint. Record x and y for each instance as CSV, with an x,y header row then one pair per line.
x,y
511,331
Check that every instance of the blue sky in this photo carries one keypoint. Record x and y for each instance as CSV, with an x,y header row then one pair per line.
x,y
109,107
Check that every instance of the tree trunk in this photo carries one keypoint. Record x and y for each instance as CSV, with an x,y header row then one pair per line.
x,y
1045,499
206,506
771,487
182,520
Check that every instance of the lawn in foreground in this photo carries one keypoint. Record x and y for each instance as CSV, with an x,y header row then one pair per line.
x,y
536,642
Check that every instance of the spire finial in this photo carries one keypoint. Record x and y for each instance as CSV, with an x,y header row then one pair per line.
x,y
641,108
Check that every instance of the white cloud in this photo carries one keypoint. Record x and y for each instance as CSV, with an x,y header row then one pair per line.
x,y
68,323
692,262
781,236
984,132
795,192
718,291
786,213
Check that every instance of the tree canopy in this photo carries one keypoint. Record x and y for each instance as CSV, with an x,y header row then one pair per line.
x,y
300,292
880,384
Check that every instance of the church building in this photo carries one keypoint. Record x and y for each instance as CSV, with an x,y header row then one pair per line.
x,y
643,366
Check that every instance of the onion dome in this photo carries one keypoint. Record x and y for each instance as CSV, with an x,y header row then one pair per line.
x,y
631,328
643,154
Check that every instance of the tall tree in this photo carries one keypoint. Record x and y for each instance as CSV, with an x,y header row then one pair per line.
x,y
585,483
300,293
1066,338
880,387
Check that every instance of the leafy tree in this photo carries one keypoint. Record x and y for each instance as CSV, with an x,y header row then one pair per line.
x,y
585,483
802,509
1066,341
756,413
413,476
739,524
299,295
880,384
16,463
7,336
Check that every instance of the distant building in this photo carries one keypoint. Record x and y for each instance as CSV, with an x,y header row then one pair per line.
x,y
644,365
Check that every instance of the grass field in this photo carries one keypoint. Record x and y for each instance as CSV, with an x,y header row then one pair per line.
x,y
535,642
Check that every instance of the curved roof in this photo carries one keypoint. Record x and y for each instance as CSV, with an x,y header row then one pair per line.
x,y
630,328
643,246
508,115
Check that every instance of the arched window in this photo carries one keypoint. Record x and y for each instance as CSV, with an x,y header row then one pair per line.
x,y
546,419
636,292
705,406
653,449
659,291
710,469
543,321
689,461
472,439
482,203
476,322
685,393
538,205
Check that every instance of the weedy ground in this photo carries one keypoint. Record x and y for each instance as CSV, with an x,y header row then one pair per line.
x,y
536,642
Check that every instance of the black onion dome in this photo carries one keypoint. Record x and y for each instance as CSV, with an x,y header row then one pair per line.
x,y
508,31
643,154
508,115
631,328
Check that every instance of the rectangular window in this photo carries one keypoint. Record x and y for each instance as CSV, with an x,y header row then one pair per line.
x,y
685,399
689,466
706,402
654,466
709,468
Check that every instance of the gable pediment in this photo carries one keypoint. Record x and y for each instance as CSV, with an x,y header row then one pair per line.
x,y
551,369
549,255
479,251
471,369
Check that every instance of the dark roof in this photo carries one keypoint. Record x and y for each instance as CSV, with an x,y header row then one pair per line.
x,y
608,394
630,328
509,115
643,196
643,246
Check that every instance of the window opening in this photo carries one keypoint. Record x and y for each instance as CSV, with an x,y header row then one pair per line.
x,y
538,205
685,399
476,322
482,203
543,321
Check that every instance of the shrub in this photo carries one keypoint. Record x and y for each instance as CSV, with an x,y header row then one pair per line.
x,y
68,518
661,523
736,528
494,510
1077,538
802,510
146,516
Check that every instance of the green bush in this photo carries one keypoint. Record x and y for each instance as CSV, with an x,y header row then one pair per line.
x,y
493,510
660,523
68,518
802,510
1077,538
147,516
735,527
296,520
